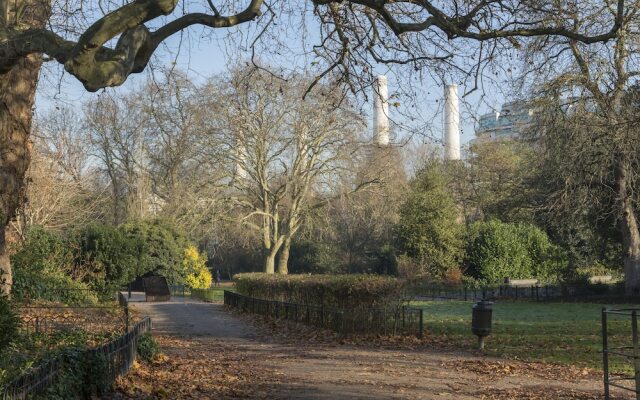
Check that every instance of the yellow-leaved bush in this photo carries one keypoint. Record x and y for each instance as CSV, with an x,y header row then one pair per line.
x,y
196,272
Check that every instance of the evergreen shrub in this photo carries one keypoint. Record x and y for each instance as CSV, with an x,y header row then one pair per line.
x,y
498,250
45,261
9,322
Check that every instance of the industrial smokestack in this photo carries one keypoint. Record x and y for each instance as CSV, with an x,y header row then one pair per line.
x,y
451,123
381,111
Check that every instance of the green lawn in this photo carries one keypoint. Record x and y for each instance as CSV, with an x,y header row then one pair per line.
x,y
214,294
568,333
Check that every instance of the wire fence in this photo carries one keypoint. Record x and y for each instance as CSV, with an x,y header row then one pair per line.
x,y
511,292
117,357
401,320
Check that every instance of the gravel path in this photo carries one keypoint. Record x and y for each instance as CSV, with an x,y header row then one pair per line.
x,y
213,354
191,318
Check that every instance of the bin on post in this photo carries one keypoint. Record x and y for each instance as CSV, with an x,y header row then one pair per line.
x,y
481,320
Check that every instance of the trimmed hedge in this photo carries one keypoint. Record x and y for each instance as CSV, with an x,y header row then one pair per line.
x,y
340,291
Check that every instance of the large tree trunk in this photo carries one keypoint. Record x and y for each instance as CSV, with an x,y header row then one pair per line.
x,y
283,260
17,93
631,250
270,262
630,233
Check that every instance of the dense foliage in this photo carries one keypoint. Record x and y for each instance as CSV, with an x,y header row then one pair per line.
x,y
162,248
110,253
428,231
9,322
45,261
99,258
312,256
497,250
82,375
343,291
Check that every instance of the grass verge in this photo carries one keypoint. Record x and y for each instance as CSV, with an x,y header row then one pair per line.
x,y
566,333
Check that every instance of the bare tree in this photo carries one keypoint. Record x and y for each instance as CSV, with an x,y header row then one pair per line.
x,y
187,183
362,222
116,127
283,151
63,190
353,36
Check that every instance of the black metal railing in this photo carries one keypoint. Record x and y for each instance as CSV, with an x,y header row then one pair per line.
x,y
179,290
511,292
629,353
70,296
387,321
50,319
119,355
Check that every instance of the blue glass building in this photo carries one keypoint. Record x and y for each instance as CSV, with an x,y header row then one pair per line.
x,y
509,123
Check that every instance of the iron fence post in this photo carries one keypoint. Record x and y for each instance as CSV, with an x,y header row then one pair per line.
x,y
126,317
465,293
421,328
636,361
605,353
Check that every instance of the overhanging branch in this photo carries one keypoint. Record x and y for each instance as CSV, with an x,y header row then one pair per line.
x,y
98,66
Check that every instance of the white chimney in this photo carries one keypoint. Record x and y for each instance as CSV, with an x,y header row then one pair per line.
x,y
381,111
451,123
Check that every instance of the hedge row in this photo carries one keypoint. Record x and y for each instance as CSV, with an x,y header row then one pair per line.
x,y
341,291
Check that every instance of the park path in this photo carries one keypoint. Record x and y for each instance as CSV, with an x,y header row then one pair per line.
x,y
211,353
